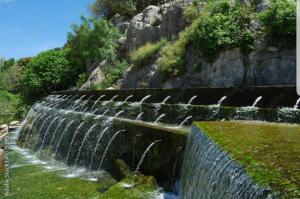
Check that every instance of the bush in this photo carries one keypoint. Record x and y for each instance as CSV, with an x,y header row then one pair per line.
x,y
81,80
8,106
279,21
49,71
144,53
10,78
92,41
171,62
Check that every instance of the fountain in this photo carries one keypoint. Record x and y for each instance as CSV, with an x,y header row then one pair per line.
x,y
113,98
192,99
256,102
55,131
129,97
133,153
159,118
96,147
144,99
185,121
108,145
119,113
139,117
61,137
83,142
166,99
297,104
73,139
95,103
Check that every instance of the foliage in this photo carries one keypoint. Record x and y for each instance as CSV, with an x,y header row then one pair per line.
x,y
144,53
227,28
109,8
279,21
81,80
112,72
171,62
45,73
8,106
91,41
10,78
7,64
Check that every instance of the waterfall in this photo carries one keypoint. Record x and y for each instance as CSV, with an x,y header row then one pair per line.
x,y
144,99
95,103
256,102
159,118
103,114
47,131
113,98
73,139
220,102
62,135
192,99
96,147
144,155
54,133
82,143
297,104
40,129
166,99
108,145
209,172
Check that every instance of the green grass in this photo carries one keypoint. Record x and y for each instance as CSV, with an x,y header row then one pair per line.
x,y
269,152
140,57
34,182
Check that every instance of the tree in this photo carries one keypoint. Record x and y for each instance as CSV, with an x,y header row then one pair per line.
x,y
49,71
92,41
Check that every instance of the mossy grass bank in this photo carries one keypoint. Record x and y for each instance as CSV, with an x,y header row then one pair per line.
x,y
269,152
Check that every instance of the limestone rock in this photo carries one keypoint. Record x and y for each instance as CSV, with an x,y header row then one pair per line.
x,y
96,77
155,23
121,22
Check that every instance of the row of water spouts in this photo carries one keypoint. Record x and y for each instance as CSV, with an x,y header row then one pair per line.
x,y
159,118
66,129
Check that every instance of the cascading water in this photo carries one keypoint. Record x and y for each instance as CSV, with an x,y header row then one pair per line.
x,y
166,99
55,131
256,102
61,137
83,142
139,117
297,104
208,172
185,121
73,139
108,145
96,147
144,99
119,113
159,118
129,97
192,99
96,102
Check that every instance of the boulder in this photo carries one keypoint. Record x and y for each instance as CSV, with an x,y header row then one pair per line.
x,y
262,5
121,22
3,129
155,23
96,77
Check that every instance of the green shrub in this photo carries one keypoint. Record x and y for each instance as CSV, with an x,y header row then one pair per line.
x,y
218,32
279,21
8,106
92,41
144,53
171,62
47,72
81,80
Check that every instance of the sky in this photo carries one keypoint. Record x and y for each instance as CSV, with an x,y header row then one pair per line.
x,y
28,27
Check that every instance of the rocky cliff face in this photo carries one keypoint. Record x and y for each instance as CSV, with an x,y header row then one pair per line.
x,y
264,66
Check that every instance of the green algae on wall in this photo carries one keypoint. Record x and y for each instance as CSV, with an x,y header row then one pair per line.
x,y
269,152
